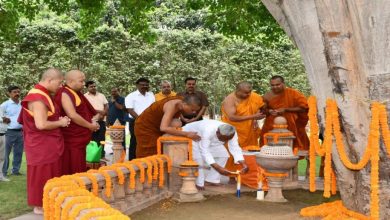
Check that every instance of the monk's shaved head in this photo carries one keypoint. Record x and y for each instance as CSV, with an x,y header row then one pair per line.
x,y
73,74
244,85
51,79
243,90
51,73
75,79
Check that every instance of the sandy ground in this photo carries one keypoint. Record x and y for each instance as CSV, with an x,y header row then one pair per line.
x,y
228,206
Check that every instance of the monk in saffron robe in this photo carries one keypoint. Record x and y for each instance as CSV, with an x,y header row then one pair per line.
x,y
292,105
242,109
156,120
43,140
78,134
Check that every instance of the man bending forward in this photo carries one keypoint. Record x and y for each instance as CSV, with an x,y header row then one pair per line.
x,y
211,152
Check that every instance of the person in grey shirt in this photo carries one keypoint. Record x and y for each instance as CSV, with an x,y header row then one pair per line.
x,y
3,129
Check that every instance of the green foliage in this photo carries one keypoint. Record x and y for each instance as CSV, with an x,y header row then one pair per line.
x,y
184,45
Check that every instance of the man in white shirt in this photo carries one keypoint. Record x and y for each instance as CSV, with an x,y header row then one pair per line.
x,y
136,102
14,134
210,150
100,104
3,129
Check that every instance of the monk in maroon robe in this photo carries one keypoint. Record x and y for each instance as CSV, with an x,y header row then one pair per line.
x,y
43,140
78,134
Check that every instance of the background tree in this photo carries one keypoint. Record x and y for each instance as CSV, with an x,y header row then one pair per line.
x,y
345,47
184,45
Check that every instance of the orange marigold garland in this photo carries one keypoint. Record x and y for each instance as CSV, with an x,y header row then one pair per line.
x,y
132,173
276,136
50,184
169,162
334,183
149,170
71,201
374,133
61,198
53,195
335,209
92,202
107,179
118,170
94,182
340,146
141,169
275,174
378,122
175,138
161,171
155,166
384,127
314,131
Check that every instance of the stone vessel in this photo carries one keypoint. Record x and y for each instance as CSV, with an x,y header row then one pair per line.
x,y
277,160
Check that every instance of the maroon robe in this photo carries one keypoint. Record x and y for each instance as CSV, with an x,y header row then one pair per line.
x,y
76,137
43,147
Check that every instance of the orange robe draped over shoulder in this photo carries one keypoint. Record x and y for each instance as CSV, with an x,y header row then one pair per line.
x,y
147,127
296,121
248,135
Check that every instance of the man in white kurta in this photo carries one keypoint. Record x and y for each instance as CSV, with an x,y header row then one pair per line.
x,y
211,152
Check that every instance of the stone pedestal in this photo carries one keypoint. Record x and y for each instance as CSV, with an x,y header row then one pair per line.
x,y
177,151
188,191
117,135
275,192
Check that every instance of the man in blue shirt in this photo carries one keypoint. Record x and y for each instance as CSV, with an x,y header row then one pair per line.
x,y
13,135
116,110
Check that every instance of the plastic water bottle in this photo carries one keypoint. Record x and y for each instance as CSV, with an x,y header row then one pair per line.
x,y
260,192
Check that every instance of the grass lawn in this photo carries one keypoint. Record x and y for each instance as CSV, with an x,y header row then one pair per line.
x,y
13,195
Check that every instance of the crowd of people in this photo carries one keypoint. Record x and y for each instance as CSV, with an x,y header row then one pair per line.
x,y
56,120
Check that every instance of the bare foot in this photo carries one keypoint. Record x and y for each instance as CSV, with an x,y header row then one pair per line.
x,y
38,210
201,188
212,184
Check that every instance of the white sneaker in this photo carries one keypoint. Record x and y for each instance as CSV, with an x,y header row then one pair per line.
x,y
2,178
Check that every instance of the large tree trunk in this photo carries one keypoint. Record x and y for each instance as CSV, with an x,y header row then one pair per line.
x,y
345,45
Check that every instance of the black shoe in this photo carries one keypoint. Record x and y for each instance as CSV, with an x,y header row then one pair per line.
x,y
17,174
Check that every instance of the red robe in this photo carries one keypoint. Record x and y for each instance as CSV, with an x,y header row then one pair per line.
x,y
43,147
76,137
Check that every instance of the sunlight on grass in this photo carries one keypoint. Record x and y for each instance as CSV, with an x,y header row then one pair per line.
x,y
13,195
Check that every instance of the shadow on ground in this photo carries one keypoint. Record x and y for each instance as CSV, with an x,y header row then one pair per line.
x,y
229,207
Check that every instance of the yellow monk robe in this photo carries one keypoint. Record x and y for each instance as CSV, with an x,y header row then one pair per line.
x,y
248,135
160,96
296,121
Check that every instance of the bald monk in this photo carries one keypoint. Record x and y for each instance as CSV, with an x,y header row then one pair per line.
x,y
43,140
156,120
242,109
292,105
78,134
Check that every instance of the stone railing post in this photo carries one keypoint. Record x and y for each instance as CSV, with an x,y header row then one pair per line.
x,y
178,152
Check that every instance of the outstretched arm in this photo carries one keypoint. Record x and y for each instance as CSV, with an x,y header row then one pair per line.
x,y
165,126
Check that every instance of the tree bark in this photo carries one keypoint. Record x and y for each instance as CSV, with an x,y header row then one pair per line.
x,y
345,46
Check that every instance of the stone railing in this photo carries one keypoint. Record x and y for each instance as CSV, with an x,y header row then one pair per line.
x,y
127,187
